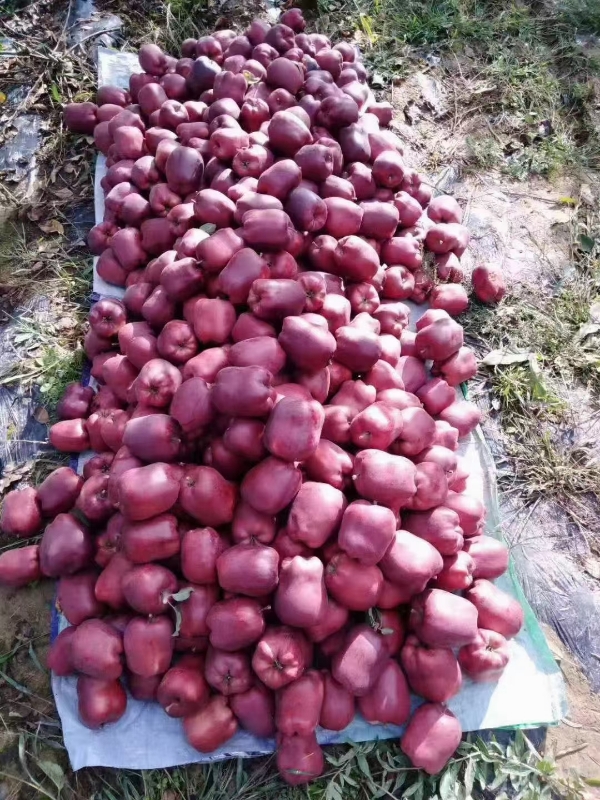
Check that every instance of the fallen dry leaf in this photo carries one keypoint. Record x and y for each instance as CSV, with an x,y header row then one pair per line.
x,y
41,415
52,226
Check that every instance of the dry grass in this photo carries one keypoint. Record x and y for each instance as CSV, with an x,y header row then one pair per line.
x,y
547,402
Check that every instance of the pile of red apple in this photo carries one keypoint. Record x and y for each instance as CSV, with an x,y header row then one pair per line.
x,y
273,532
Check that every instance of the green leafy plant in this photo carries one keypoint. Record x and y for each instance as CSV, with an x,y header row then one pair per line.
x,y
517,770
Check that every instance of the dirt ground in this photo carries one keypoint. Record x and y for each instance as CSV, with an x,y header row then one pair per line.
x,y
526,227
575,743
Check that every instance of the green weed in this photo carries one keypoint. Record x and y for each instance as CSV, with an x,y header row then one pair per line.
x,y
582,15
545,344
31,263
51,359
549,158
528,67
56,370
483,152
522,386
371,769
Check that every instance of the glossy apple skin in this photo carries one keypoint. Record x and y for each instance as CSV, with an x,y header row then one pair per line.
x,y
431,737
211,726
66,547
96,650
182,691
432,672
148,645
100,701
76,598
281,656
485,660
248,569
20,567
21,513
255,710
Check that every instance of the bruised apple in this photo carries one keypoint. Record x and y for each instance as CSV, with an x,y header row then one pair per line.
x,y
294,428
147,491
58,492
410,563
457,574
66,547
207,496
330,464
59,658
384,478
96,650
194,611
366,531
489,555
314,530
75,402
488,283
147,587
76,598
20,567
243,391
333,618
144,689
108,588
353,584
249,525
271,485
440,527
200,549
148,645
155,539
